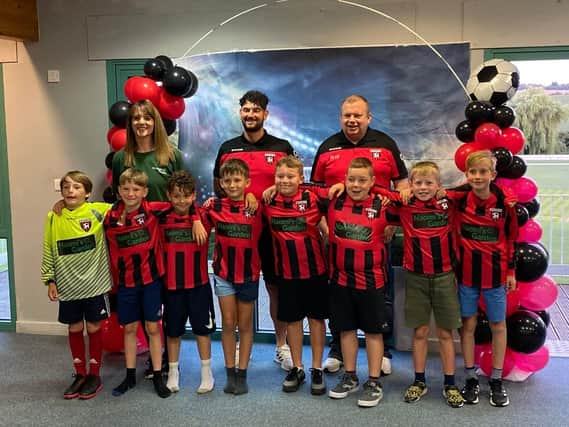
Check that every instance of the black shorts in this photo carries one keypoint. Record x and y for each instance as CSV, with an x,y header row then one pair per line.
x,y
267,256
91,309
363,309
195,304
303,298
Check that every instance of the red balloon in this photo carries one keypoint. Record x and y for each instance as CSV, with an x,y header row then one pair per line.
x,y
530,232
111,132
142,88
113,334
171,107
109,177
479,349
488,135
463,152
513,139
512,302
525,188
486,362
118,140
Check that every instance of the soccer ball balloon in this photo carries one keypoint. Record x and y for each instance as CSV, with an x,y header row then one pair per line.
x,y
495,81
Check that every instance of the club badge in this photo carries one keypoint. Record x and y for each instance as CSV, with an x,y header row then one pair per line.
x,y
496,213
85,224
270,158
140,219
375,154
301,205
371,213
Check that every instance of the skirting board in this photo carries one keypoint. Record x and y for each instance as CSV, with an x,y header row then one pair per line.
x,y
41,328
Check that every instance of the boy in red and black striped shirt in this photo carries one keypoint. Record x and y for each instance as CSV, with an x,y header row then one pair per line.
x,y
358,260
293,216
137,264
430,284
236,267
487,227
189,292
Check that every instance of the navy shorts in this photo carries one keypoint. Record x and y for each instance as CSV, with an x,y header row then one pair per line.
x,y
91,309
352,309
303,298
246,292
140,302
195,304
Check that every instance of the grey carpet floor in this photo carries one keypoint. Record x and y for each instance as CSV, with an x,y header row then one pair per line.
x,y
36,370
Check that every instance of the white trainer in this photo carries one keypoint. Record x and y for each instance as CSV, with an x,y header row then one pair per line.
x,y
282,356
386,366
331,365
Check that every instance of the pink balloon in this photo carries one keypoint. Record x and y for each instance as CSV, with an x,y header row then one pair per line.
x,y
530,232
513,139
525,188
479,349
503,182
171,107
534,361
144,88
141,342
539,294
488,135
486,362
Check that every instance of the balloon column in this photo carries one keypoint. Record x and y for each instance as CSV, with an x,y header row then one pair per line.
x,y
488,126
165,85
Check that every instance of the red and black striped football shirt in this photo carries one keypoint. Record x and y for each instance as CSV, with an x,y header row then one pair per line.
x,y
185,260
236,255
135,247
487,230
357,254
298,246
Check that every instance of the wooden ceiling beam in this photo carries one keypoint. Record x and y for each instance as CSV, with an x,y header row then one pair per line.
x,y
19,20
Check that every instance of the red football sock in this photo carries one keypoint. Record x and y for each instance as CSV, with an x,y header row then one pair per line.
x,y
95,352
77,346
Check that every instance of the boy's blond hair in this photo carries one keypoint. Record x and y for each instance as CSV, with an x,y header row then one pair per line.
x,y
291,162
425,168
478,156
362,163
135,176
80,177
234,167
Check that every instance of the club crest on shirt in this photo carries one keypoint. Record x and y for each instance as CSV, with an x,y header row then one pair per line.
x,y
496,213
270,158
85,224
247,213
371,213
443,203
301,205
139,219
375,154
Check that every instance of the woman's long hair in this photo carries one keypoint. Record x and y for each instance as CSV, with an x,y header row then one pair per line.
x,y
163,150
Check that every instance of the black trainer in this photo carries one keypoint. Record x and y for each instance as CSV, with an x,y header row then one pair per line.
x,y
72,391
317,385
91,387
471,391
498,394
294,379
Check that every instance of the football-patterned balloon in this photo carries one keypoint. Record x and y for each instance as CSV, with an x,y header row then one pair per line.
x,y
495,81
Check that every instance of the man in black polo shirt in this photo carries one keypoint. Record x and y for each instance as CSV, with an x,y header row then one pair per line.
x,y
261,152
330,165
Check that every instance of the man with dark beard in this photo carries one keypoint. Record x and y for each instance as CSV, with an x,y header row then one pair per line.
x,y
261,152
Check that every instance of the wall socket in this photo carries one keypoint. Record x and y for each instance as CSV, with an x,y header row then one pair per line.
x,y
56,186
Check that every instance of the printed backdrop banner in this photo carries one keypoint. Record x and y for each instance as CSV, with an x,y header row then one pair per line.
x,y
413,97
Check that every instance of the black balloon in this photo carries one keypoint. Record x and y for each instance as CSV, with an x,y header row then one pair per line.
x,y
516,170
167,62
170,126
155,69
109,195
193,87
545,317
118,113
177,81
526,331
522,214
504,158
504,116
478,112
531,261
533,207
482,333
465,131
109,159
